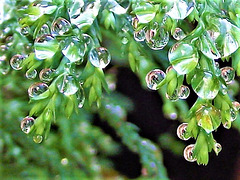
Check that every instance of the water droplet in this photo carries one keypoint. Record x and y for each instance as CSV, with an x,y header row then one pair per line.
x,y
44,30
99,57
233,114
154,77
181,9
217,148
80,96
60,26
36,89
4,65
230,45
37,139
25,30
31,74
3,48
9,40
181,131
74,50
188,153
124,40
236,105
64,161
26,124
45,47
67,85
173,97
135,22
157,37
139,35
179,34
228,74
227,125
16,61
88,40
45,75
183,92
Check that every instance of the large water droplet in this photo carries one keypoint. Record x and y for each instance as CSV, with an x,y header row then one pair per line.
x,y
37,139
25,30
154,77
16,61
217,148
183,92
60,26
139,35
228,74
99,57
157,37
37,89
205,85
45,75
74,50
236,105
26,124
68,85
188,153
45,47
174,97
31,74
179,34
181,131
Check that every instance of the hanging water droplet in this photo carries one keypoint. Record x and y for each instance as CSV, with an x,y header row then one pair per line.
x,y
181,131
68,85
16,61
31,74
37,89
45,75
236,105
60,26
135,22
99,57
37,139
217,148
179,34
227,125
45,47
139,35
183,92
228,74
154,77
233,114
4,66
173,97
44,30
157,37
80,96
25,30
188,153
26,124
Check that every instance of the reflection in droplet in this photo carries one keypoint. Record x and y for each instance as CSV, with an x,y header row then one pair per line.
x,y
233,114
68,85
174,97
37,139
60,26
139,35
16,61
179,34
26,124
236,105
228,74
181,131
188,153
154,77
183,92
36,89
31,74
99,57
45,75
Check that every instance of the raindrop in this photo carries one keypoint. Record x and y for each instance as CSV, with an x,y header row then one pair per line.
x,y
60,26
16,61
173,97
154,77
25,30
188,153
37,89
99,57
181,131
179,34
236,105
139,35
37,139
217,148
31,74
26,124
68,85
233,114
228,74
45,75
183,92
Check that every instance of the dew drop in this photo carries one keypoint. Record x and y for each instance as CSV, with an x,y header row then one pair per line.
x,y
3,48
135,22
233,114
139,35
16,61
88,40
188,153
181,131
154,77
37,89
45,75
37,139
174,97
9,40
183,92
80,96
31,74
179,34
60,26
124,40
68,85
44,30
4,65
236,105
26,124
217,148
227,125
25,30
99,57
228,74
